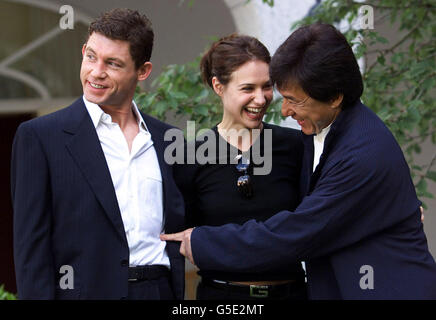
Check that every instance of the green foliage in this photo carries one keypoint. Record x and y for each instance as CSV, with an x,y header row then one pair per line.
x,y
399,74
179,90
269,2
4,295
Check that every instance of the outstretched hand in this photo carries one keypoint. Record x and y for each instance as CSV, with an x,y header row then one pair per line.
x,y
185,238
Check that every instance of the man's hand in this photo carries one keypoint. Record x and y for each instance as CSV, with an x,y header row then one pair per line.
x,y
422,213
185,238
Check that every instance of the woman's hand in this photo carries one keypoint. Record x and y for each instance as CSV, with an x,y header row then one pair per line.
x,y
185,238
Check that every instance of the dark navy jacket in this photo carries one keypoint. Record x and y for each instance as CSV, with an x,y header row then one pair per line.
x,y
358,227
66,211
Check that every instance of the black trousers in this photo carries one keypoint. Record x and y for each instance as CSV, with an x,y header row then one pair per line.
x,y
297,291
158,289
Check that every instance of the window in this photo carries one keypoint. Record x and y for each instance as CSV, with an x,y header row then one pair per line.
x,y
38,59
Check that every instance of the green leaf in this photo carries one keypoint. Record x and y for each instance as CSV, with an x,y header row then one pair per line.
x,y
381,59
421,187
178,95
269,2
428,195
428,84
160,107
382,40
203,94
4,295
268,117
203,110
416,167
431,175
413,114
148,101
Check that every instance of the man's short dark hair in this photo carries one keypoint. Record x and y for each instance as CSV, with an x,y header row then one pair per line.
x,y
319,59
127,25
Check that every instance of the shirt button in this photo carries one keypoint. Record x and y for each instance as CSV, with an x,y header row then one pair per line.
x,y
124,263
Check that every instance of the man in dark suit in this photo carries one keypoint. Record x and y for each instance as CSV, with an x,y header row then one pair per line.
x,y
358,227
90,187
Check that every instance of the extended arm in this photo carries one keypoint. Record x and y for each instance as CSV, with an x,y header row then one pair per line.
x,y
352,201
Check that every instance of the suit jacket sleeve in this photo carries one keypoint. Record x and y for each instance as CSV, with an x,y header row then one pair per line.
x,y
30,187
351,201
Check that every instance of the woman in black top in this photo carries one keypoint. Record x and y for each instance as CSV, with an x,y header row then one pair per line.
x,y
229,188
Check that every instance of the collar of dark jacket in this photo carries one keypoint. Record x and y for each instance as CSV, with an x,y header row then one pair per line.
x,y
338,126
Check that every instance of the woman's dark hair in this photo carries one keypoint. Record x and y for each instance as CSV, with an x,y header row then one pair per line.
x,y
319,59
127,25
229,53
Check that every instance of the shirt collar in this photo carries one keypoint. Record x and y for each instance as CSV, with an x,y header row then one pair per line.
x,y
97,114
141,122
321,136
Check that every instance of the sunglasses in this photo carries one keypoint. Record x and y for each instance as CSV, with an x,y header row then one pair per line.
x,y
244,181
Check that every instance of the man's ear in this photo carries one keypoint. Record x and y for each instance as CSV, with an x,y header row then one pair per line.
x,y
144,71
336,103
217,86
83,49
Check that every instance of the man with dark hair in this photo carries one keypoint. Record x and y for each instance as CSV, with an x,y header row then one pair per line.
x,y
91,190
358,227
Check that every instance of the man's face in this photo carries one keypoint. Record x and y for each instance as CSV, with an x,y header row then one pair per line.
x,y
108,72
312,115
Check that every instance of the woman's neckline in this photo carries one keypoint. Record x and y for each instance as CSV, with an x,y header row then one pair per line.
x,y
258,133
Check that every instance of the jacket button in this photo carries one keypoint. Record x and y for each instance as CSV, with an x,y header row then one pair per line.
x,y
124,263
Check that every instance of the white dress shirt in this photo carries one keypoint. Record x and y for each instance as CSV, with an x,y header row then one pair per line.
x,y
137,181
318,144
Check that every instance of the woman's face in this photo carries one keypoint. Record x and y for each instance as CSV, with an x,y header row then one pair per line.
x,y
246,96
312,115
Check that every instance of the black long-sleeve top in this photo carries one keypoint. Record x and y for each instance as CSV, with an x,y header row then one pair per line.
x,y
212,196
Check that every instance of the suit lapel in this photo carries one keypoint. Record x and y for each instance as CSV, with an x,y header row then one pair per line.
x,y
306,170
84,146
332,136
